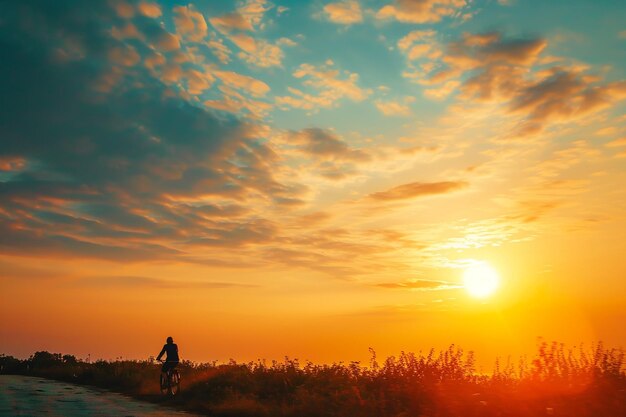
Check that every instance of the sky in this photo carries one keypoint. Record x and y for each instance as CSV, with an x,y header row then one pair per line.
x,y
311,179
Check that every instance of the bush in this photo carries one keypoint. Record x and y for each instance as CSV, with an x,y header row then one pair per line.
x,y
558,381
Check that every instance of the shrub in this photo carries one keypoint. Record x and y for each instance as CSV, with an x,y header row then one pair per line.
x,y
561,381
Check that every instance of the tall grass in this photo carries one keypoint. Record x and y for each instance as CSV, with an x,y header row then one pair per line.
x,y
558,381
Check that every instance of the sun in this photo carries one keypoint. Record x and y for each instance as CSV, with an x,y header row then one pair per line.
x,y
481,280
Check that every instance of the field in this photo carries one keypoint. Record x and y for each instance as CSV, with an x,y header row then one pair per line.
x,y
558,381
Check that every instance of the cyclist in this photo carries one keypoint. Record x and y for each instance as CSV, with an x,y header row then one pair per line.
x,y
171,359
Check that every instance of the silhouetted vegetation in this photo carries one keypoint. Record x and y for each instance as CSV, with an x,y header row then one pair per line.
x,y
558,381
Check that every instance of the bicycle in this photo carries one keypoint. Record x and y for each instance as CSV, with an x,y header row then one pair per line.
x,y
170,381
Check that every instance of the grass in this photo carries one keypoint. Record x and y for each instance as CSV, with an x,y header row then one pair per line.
x,y
558,381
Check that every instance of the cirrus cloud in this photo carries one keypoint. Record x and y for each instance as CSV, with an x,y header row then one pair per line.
x,y
419,284
418,189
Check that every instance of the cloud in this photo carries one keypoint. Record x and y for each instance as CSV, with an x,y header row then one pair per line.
x,y
253,11
258,51
127,173
153,283
12,163
420,11
563,95
323,78
220,50
34,273
190,23
328,84
152,10
247,17
490,68
325,249
393,108
128,31
240,25
231,21
613,144
422,51
123,9
198,82
124,55
417,35
442,91
235,102
320,153
419,284
491,49
482,66
418,51
251,85
346,12
418,189
21,241
322,143
167,42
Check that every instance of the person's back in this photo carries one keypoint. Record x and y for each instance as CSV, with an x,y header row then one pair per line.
x,y
170,349
171,352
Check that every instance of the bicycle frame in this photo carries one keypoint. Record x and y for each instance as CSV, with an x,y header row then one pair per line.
x,y
170,381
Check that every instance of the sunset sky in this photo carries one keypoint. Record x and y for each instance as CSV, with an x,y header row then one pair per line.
x,y
310,178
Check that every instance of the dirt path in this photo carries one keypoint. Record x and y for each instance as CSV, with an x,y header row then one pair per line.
x,y
30,396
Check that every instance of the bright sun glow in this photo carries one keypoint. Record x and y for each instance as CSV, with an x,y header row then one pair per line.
x,y
480,280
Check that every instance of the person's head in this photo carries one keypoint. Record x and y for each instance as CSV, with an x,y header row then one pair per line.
x,y
170,339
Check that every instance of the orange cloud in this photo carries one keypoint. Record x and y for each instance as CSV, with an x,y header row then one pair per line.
x,y
190,24
420,11
419,284
9,163
253,50
231,21
564,95
145,283
234,102
442,91
346,12
123,9
488,68
418,189
253,11
319,142
393,108
124,55
243,82
490,49
258,51
152,10
220,50
129,31
330,85
617,143
168,42
416,35
321,153
198,81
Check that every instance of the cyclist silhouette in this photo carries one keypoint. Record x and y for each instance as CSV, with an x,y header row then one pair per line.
x,y
171,360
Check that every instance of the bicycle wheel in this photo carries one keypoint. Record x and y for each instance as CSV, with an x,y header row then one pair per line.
x,y
164,382
174,383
